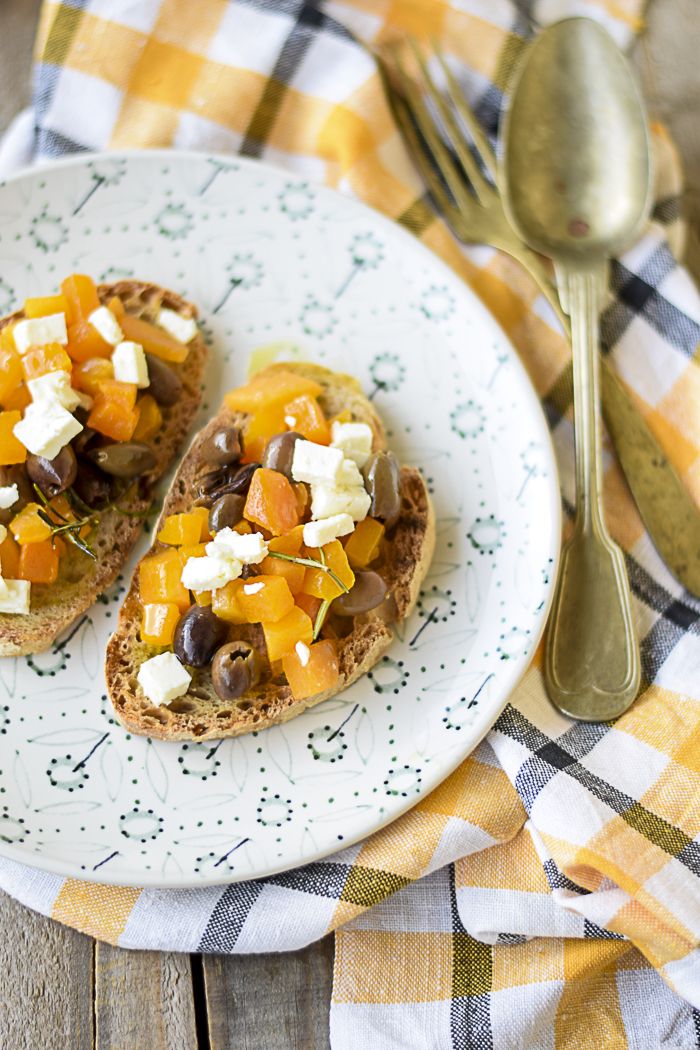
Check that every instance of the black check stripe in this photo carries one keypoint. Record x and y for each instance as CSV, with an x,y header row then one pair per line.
x,y
594,931
228,917
472,979
558,881
352,883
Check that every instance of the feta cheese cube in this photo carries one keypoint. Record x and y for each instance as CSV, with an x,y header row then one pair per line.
x,y
350,476
46,428
252,588
130,365
55,388
38,331
354,439
318,533
303,652
15,596
328,500
209,573
163,678
9,494
104,321
248,548
316,464
184,329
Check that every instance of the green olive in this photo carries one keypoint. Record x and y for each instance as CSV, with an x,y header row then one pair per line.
x,y
382,479
124,460
235,670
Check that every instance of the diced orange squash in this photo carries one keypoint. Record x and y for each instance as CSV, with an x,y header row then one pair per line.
x,y
202,597
159,622
282,636
265,599
85,342
305,415
308,604
301,492
150,418
225,602
123,394
271,502
43,359
253,451
9,558
154,340
243,527
89,375
290,543
264,424
114,413
363,544
11,450
270,388
320,673
196,550
80,294
28,527
181,530
159,580
203,514
319,583
7,338
45,305
117,307
18,400
292,573
38,562
10,372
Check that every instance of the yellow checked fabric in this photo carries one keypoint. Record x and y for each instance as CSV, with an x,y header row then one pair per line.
x,y
548,893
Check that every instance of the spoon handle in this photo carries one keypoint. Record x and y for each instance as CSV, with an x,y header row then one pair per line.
x,y
592,666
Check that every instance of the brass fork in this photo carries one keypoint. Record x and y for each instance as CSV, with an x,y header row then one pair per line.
x,y
472,206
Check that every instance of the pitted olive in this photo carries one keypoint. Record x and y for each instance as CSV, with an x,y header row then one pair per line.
x,y
280,452
226,512
235,670
125,460
53,475
92,486
235,480
368,591
382,478
223,447
198,635
164,384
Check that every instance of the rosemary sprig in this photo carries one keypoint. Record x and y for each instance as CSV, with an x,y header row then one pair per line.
x,y
321,617
313,564
69,529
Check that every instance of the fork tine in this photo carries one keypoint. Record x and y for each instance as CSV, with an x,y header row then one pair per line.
x,y
461,147
448,169
480,140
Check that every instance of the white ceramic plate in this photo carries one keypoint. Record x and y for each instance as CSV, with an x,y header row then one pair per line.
x,y
268,257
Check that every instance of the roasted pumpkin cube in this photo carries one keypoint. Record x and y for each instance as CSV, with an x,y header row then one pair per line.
x,y
84,342
270,388
88,376
43,359
159,580
308,604
114,413
18,400
314,672
38,562
271,502
158,622
81,298
150,418
265,599
195,550
305,415
45,305
292,573
319,582
181,530
117,307
11,449
202,597
28,526
301,491
9,558
154,340
11,374
283,635
225,603
363,544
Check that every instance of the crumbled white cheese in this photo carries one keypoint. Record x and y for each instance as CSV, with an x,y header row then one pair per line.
x,y
9,494
184,329
354,439
318,533
303,652
316,464
291,421
130,366
46,428
252,588
350,477
328,500
163,678
249,548
105,323
55,388
39,331
15,597
209,573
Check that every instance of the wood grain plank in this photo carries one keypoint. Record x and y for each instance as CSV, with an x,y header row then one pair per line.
x,y
46,982
143,999
270,1002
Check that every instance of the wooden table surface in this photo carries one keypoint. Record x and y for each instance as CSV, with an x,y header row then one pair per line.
x,y
61,990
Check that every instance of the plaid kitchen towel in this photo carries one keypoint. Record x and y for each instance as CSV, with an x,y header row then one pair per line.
x,y
548,893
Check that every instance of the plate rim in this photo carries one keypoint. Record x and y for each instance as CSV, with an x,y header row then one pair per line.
x,y
519,667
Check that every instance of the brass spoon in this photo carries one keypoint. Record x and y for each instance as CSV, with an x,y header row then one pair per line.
x,y
577,180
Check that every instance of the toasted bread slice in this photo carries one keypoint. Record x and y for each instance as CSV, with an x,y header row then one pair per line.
x,y
81,580
201,714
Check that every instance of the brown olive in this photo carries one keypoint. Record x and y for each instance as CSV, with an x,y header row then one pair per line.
x,y
92,486
280,452
16,475
85,439
368,591
198,635
235,670
382,476
164,384
223,447
226,512
53,475
125,460
219,483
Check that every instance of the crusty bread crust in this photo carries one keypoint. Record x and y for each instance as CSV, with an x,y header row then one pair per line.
x,y
201,714
81,580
